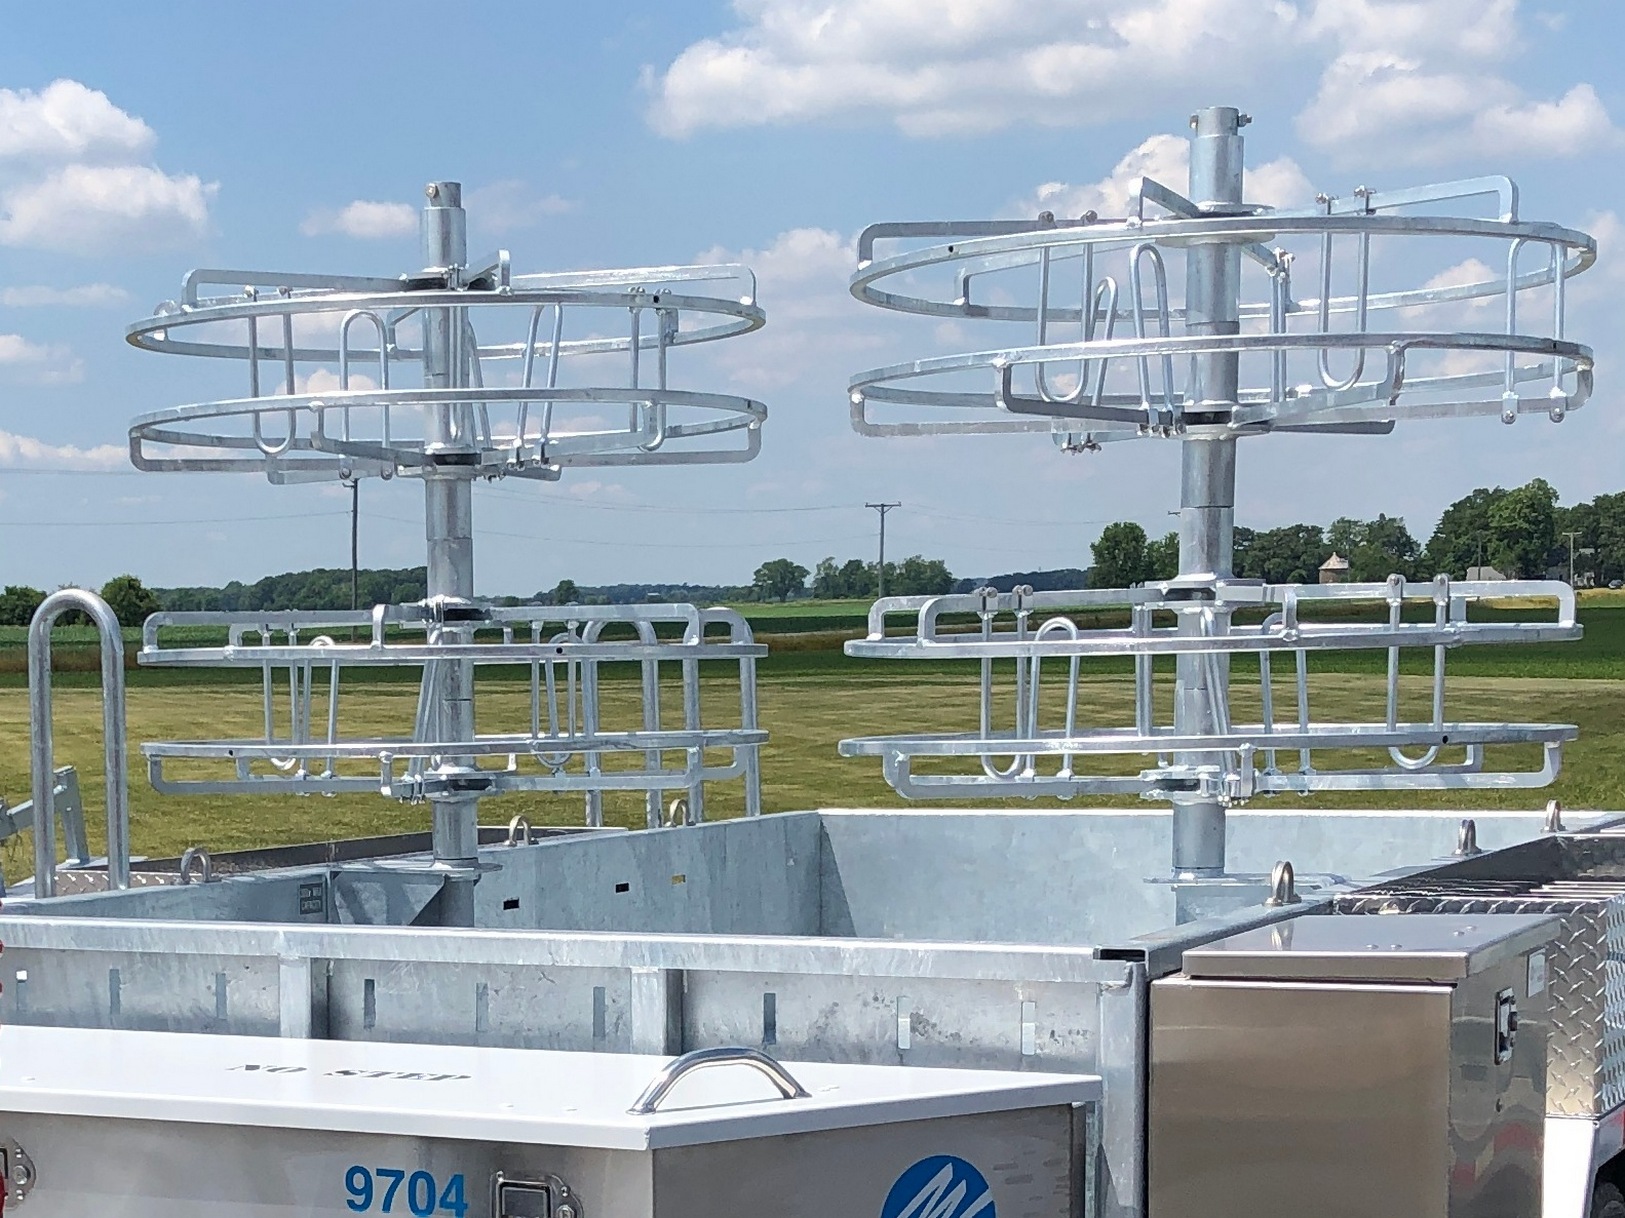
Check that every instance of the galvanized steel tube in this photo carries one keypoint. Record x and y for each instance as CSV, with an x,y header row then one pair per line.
x,y
1208,473
449,533
113,737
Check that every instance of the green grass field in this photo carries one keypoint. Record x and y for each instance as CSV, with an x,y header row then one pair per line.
x,y
811,696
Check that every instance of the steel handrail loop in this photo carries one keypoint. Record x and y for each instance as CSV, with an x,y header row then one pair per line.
x,y
1014,762
1350,402
113,731
1164,420
1362,300
674,1071
572,727
665,424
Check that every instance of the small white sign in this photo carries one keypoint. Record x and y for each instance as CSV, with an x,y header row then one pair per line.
x,y
1537,973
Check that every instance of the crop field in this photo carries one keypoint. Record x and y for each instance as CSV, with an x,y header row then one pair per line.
x,y
811,696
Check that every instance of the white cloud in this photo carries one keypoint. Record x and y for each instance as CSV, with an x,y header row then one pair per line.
x,y
23,451
1166,158
83,208
325,380
39,363
68,121
88,295
78,179
960,65
364,219
1367,98
511,204
814,325
1481,29
1404,79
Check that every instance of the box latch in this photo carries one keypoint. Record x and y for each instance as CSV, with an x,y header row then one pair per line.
x,y
1506,1025
16,1174
536,1197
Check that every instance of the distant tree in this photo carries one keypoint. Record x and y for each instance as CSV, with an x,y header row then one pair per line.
x,y
1241,548
852,580
131,601
1376,548
71,617
565,592
18,604
920,576
1288,555
1523,529
1162,556
1462,537
1120,558
1609,539
858,579
826,579
779,578
1582,520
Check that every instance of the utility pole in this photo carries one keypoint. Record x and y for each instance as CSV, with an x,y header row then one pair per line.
x,y
1571,534
355,549
882,508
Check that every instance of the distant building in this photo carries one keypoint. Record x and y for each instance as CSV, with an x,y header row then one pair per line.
x,y
1484,573
1335,570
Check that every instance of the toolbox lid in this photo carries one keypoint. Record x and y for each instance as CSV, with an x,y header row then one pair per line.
x,y
534,1096
1372,947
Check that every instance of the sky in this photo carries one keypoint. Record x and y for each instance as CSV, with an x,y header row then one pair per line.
x,y
138,141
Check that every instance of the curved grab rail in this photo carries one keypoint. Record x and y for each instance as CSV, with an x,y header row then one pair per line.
x,y
113,735
679,1068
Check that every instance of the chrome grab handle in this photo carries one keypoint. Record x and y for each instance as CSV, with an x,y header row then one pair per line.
x,y
700,1059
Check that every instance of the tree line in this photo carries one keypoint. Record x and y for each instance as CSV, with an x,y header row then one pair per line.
x,y
1521,533
130,600
855,579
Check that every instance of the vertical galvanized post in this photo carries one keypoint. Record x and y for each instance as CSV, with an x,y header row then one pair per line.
x,y
1208,475
449,503
114,747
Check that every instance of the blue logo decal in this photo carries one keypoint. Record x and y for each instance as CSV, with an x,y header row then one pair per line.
x,y
939,1187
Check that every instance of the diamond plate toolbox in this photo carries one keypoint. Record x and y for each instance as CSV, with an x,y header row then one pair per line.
x,y
1581,878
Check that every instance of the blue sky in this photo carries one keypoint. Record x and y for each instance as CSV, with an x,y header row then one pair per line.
x,y
139,141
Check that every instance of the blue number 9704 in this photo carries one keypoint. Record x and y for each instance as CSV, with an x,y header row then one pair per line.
x,y
382,1188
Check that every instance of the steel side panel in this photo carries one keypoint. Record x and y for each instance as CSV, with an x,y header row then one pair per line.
x,y
141,991
521,1007
158,1169
1027,1159
1267,1098
898,1020
756,875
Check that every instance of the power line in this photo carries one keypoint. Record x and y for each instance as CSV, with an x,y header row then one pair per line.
x,y
647,545
87,473
666,509
141,524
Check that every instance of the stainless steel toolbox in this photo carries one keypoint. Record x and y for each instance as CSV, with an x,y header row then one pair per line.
x,y
1351,1067
153,1125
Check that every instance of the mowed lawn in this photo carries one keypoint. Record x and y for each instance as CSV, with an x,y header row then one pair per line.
x,y
805,706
